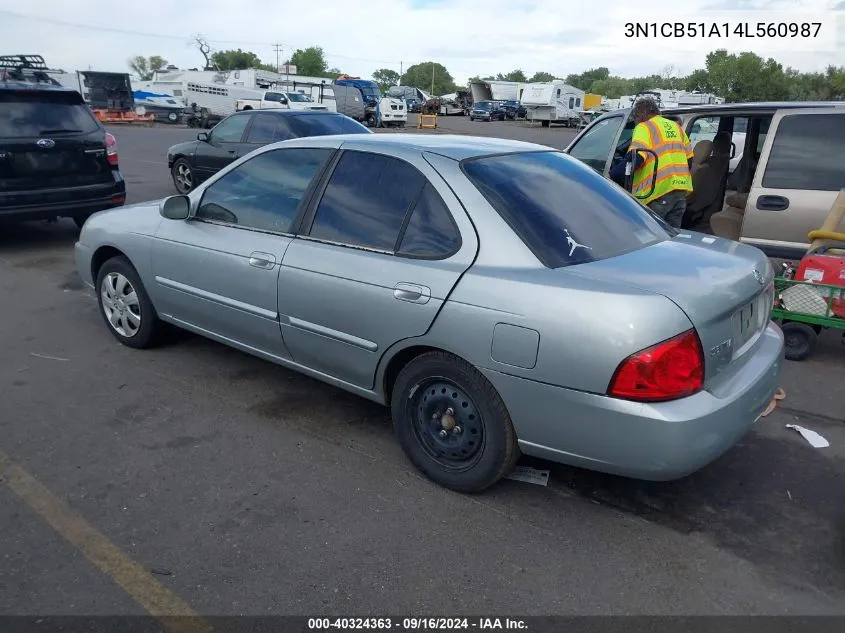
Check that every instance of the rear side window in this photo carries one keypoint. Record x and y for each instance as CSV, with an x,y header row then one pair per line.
x,y
323,125
40,112
268,128
431,232
565,212
366,200
807,153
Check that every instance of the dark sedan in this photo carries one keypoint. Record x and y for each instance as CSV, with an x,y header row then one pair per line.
x,y
514,109
192,162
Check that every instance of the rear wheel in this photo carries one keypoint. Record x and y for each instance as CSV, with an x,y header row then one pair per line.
x,y
125,305
800,340
452,423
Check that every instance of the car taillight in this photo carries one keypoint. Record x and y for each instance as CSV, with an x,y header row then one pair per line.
x,y
111,149
667,371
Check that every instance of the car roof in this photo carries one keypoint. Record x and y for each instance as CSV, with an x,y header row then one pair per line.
x,y
736,107
455,146
32,87
286,112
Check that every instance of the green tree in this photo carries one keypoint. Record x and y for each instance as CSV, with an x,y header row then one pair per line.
x,y
145,67
311,62
385,77
238,60
541,77
586,79
514,75
429,76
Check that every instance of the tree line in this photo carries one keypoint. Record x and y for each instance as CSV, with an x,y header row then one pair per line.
x,y
736,77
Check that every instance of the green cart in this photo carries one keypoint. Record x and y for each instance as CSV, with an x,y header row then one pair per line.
x,y
803,309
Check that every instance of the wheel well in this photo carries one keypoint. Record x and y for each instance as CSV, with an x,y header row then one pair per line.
x,y
100,257
398,362
247,108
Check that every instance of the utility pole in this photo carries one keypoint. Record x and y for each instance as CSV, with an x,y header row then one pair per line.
x,y
432,79
277,48
400,72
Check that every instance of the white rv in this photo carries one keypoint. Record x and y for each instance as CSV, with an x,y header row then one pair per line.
x,y
552,101
494,90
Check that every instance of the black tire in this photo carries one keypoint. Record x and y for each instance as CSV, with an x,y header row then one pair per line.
x,y
482,446
172,117
800,339
183,176
149,332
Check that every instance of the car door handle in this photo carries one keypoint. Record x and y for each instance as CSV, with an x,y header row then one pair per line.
x,y
413,293
262,260
772,203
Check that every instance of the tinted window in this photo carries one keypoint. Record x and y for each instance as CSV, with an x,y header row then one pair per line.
x,y
431,232
807,153
595,146
324,124
565,212
35,113
268,128
231,129
366,200
265,192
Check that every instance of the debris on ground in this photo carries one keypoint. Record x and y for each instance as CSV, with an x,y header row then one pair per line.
x,y
529,475
815,440
780,394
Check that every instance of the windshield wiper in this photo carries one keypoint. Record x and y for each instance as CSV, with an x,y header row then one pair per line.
x,y
58,131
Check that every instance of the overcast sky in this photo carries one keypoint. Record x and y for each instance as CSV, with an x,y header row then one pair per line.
x,y
469,37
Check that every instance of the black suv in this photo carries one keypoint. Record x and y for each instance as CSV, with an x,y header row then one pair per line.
x,y
56,158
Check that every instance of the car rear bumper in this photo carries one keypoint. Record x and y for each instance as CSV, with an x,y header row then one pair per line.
x,y
658,442
67,202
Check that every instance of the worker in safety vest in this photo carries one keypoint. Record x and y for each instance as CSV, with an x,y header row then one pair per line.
x,y
673,181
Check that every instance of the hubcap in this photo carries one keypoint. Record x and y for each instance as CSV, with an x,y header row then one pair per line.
x,y
183,176
448,424
121,305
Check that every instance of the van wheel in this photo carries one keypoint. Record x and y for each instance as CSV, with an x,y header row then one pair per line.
x,y
452,423
126,308
800,340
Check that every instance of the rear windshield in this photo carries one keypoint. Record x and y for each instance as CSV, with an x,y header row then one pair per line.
x,y
563,210
324,125
37,113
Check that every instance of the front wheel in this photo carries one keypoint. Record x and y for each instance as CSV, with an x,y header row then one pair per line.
x,y
125,305
183,176
452,423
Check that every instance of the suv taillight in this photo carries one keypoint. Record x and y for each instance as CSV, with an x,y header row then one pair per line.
x,y
667,371
111,148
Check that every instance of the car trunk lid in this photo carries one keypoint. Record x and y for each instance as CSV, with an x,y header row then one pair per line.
x,y
725,288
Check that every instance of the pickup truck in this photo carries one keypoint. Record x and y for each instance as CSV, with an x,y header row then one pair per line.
x,y
272,99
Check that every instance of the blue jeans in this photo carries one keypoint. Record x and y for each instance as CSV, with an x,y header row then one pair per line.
x,y
670,207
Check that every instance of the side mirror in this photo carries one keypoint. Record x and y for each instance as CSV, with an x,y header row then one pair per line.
x,y
175,208
203,136
283,101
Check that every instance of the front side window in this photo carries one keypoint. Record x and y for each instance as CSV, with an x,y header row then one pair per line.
x,y
366,200
595,146
230,129
265,192
564,212
807,153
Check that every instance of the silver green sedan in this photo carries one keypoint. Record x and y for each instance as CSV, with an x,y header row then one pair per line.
x,y
500,297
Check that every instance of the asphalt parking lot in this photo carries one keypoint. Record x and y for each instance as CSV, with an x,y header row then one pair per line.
x,y
197,478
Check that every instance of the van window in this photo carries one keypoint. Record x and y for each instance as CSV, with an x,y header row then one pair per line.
x,y
806,153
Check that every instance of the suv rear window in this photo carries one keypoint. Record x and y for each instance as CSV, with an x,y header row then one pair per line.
x,y
33,113
324,125
564,211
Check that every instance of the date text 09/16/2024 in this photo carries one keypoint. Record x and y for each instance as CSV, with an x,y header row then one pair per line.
x,y
417,624
743,30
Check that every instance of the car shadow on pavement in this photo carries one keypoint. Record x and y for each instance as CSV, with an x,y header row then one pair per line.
x,y
23,237
771,500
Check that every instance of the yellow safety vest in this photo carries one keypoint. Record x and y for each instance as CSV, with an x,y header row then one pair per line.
x,y
673,148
